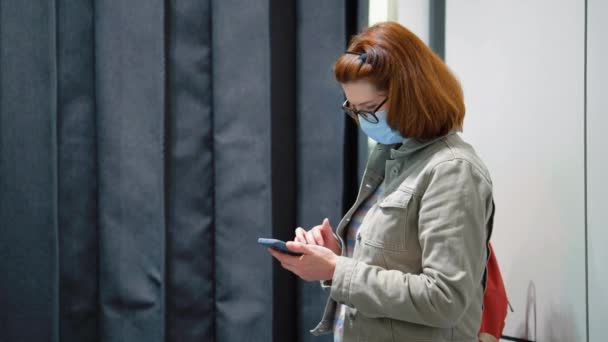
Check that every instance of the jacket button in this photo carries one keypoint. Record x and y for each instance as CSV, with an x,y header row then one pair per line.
x,y
358,236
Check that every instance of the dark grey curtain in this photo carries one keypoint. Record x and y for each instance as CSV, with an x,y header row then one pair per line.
x,y
146,144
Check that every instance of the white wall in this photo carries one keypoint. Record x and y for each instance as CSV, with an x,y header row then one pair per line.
x,y
522,67
597,167
414,14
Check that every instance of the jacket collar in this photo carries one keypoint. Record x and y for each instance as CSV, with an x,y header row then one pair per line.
x,y
382,153
411,146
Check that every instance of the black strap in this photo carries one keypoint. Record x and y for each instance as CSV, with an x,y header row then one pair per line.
x,y
362,55
362,58
490,229
516,339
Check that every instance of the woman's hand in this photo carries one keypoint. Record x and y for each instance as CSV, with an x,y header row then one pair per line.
x,y
322,235
317,263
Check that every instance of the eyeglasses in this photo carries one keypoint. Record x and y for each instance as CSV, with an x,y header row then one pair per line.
x,y
369,116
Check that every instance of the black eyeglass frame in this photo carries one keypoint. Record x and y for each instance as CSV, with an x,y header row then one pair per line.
x,y
366,115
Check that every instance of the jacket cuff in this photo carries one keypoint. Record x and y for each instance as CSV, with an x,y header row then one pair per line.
x,y
341,281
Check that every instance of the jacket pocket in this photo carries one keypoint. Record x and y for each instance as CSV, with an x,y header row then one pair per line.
x,y
376,329
385,226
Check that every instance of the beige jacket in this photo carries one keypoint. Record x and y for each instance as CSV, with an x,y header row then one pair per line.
x,y
420,254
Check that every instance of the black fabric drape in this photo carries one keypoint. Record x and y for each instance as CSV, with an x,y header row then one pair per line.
x,y
190,173
76,171
146,145
29,273
130,78
242,146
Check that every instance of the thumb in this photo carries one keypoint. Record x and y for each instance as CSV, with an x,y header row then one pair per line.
x,y
326,231
326,227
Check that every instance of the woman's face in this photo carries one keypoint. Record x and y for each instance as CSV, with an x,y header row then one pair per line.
x,y
362,95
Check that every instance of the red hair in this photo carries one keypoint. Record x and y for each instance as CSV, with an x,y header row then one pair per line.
x,y
425,99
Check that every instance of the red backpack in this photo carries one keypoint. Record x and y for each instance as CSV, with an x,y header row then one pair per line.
x,y
495,301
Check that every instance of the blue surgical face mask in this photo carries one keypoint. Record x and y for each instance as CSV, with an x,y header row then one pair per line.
x,y
381,131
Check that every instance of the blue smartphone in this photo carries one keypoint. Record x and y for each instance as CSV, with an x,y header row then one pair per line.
x,y
277,245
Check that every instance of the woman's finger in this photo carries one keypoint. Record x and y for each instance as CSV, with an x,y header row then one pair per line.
x,y
310,239
273,253
318,237
300,235
277,255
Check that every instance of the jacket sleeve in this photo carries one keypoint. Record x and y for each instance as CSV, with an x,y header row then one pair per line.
x,y
452,234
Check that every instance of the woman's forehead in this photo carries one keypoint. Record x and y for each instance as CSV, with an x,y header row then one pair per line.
x,y
358,92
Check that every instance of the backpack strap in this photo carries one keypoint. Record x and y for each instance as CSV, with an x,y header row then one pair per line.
x,y
490,228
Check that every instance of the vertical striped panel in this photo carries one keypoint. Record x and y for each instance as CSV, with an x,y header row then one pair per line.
x,y
130,92
242,146
77,171
190,262
29,294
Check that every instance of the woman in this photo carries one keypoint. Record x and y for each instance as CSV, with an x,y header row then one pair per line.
x,y
408,260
